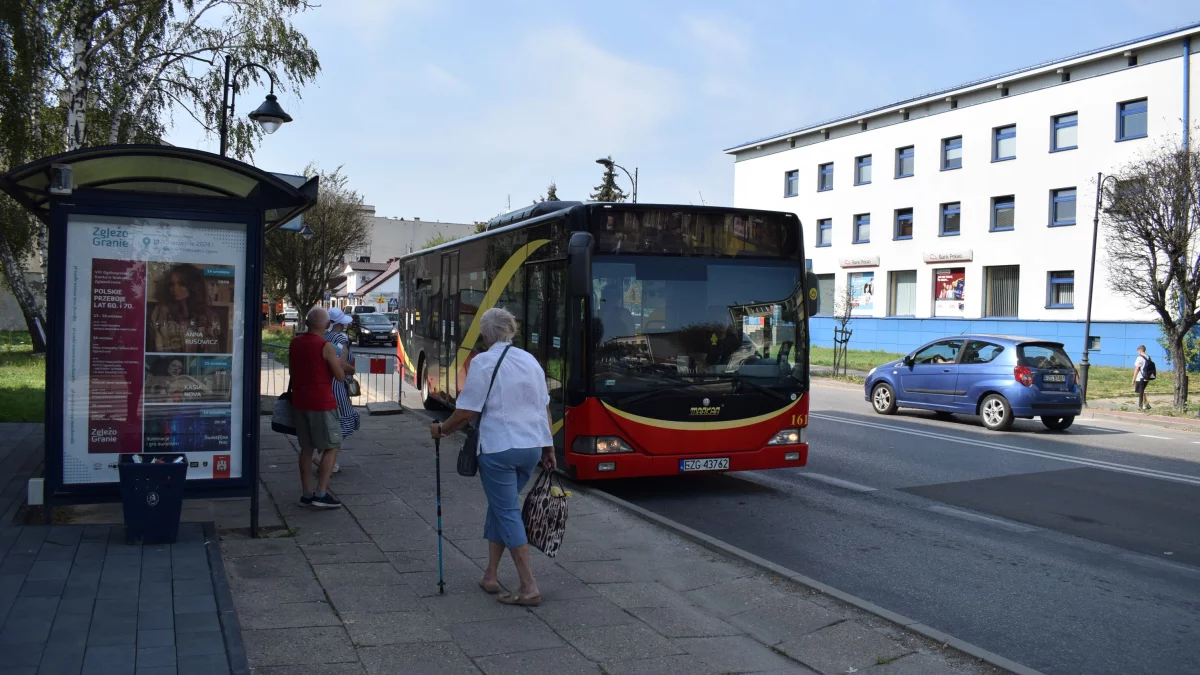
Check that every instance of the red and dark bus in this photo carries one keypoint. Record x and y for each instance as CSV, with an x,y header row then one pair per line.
x,y
674,338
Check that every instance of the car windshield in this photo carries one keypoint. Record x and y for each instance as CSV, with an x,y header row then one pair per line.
x,y
660,319
1043,356
373,320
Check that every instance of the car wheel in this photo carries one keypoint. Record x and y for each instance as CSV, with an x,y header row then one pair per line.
x,y
1058,423
996,413
883,399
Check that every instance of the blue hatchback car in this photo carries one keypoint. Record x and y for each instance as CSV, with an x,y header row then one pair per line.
x,y
996,377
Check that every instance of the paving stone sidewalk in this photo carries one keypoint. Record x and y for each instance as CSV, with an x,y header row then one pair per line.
x,y
355,590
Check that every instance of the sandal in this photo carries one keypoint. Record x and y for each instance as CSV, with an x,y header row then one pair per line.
x,y
493,589
514,599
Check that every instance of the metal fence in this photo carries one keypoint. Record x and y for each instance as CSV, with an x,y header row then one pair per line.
x,y
378,375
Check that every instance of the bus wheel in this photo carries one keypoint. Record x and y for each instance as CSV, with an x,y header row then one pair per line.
x,y
427,399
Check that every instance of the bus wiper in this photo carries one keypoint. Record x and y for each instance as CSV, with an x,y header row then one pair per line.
x,y
641,396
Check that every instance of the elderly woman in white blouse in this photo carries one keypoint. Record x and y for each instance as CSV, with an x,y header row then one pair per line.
x,y
514,436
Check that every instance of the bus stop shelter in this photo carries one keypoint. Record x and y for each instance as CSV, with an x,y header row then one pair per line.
x,y
153,312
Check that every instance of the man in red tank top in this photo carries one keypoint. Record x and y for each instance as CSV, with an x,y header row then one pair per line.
x,y
314,365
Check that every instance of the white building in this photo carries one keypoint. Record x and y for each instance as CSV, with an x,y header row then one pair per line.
x,y
395,237
970,209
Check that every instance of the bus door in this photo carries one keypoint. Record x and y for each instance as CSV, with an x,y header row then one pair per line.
x,y
448,324
545,330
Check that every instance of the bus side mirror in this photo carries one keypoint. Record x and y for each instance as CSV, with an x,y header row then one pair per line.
x,y
579,264
812,288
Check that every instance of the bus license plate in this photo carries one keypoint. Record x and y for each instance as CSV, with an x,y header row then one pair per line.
x,y
1054,378
712,464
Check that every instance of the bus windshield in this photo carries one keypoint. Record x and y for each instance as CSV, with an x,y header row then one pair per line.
x,y
661,319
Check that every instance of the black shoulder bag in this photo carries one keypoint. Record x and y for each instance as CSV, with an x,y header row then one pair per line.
x,y
468,456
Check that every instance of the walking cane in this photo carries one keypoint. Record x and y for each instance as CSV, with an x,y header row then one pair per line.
x,y
437,463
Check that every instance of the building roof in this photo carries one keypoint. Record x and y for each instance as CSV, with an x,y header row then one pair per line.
x,y
986,82
339,290
392,268
367,266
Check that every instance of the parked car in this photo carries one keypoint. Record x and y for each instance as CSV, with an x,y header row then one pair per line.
x,y
372,328
394,317
290,314
996,377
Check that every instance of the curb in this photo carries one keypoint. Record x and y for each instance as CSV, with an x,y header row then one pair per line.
x,y
718,546
235,648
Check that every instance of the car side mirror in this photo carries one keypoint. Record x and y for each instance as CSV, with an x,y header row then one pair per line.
x,y
909,361
813,301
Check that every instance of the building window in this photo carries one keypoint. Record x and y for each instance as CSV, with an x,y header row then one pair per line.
x,y
902,293
825,285
904,224
1131,120
905,162
862,228
825,232
862,170
825,177
1001,294
951,219
1004,210
1060,292
1065,135
791,183
952,153
1004,145
1062,207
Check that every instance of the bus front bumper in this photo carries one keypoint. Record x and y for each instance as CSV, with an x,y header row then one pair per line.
x,y
630,465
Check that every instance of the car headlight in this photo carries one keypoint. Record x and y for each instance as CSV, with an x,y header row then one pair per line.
x,y
787,437
366,330
393,331
600,445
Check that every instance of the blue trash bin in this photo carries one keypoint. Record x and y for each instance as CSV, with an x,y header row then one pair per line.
x,y
152,495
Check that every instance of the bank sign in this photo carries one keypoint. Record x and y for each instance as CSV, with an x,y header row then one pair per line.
x,y
948,256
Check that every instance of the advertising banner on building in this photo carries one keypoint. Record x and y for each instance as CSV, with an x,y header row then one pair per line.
x,y
153,344
948,291
862,291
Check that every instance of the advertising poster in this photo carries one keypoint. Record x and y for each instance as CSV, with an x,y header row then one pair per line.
x,y
862,291
948,291
153,336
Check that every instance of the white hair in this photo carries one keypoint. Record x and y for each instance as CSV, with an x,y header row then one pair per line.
x,y
315,316
497,325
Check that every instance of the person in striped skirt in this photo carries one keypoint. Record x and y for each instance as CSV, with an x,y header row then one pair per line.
x,y
347,415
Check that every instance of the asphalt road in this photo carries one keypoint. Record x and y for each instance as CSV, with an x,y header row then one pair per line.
x,y
1075,552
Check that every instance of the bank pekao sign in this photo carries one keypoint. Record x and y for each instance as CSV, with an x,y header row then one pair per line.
x,y
949,256
861,261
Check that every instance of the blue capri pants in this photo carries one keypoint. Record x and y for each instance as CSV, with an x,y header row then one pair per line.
x,y
504,475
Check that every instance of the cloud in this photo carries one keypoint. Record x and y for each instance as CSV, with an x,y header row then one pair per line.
x,y
718,38
443,80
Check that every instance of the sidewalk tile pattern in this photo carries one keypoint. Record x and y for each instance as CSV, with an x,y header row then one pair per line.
x,y
354,591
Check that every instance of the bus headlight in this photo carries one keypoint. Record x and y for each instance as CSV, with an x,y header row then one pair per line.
x,y
600,445
788,437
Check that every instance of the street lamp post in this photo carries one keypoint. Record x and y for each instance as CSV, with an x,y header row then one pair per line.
x,y
1084,365
270,115
307,233
632,177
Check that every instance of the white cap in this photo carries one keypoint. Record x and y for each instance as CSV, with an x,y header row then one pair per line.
x,y
338,316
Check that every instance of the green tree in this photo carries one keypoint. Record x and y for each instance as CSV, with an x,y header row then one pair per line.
x,y
440,238
292,264
551,194
608,190
1152,223
124,67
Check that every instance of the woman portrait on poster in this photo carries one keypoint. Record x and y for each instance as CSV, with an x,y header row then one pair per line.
x,y
182,319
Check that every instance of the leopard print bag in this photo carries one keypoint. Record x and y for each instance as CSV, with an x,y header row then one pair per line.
x,y
545,515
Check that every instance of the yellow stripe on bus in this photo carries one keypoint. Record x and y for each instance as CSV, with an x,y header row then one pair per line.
x,y
499,283
700,426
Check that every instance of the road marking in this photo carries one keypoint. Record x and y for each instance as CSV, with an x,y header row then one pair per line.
x,y
976,518
836,482
1161,438
1095,463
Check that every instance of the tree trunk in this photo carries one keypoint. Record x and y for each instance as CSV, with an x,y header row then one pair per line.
x,y
1179,362
14,272
76,132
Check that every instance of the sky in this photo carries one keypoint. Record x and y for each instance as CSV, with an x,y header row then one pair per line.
x,y
451,110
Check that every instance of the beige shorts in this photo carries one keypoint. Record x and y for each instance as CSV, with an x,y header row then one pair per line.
x,y
317,429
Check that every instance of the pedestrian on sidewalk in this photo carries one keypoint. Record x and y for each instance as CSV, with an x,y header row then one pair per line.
x,y
313,363
1140,380
348,418
514,436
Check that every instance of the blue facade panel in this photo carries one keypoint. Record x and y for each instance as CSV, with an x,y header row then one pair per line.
x,y
1118,341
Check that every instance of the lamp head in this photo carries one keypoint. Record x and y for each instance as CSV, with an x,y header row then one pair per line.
x,y
270,115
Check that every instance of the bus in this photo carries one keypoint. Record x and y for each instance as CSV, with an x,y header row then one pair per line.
x,y
674,338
